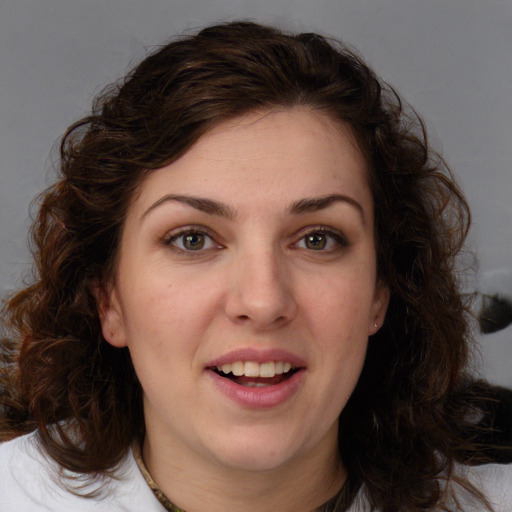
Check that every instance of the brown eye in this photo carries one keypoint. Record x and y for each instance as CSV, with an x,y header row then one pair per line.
x,y
193,241
316,241
321,240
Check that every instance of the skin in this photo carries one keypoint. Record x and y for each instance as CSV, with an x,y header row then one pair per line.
x,y
257,283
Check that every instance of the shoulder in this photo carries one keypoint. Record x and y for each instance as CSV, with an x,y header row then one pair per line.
x,y
495,481
30,482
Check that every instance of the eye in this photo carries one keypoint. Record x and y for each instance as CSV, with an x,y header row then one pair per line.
x,y
191,240
321,240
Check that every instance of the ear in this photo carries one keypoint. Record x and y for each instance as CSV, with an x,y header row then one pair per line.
x,y
379,308
111,316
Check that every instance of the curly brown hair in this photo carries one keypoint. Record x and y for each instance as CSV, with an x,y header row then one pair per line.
x,y
405,425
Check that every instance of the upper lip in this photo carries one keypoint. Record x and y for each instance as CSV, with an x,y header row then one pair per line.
x,y
258,356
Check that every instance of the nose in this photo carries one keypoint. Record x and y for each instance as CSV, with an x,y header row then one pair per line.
x,y
261,292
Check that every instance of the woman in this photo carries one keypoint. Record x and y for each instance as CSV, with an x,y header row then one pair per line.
x,y
245,297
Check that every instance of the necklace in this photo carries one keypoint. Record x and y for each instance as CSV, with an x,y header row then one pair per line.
x,y
160,496
340,503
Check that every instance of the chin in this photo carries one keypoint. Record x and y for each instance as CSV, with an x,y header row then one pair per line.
x,y
244,453
243,461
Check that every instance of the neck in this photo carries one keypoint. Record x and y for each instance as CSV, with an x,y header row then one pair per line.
x,y
197,485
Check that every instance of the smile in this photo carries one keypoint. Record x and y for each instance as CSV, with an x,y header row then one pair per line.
x,y
258,378
253,374
254,369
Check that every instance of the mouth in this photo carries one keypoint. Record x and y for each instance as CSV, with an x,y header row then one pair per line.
x,y
254,374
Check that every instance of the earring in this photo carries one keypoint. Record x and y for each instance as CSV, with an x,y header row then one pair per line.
x,y
375,325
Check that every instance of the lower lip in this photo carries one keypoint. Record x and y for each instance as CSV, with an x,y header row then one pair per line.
x,y
259,397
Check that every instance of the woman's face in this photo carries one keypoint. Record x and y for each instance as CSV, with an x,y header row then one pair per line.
x,y
246,290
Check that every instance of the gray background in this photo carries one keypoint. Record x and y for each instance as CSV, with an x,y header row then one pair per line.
x,y
452,59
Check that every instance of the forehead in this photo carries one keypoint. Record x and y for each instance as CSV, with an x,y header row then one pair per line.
x,y
281,154
281,130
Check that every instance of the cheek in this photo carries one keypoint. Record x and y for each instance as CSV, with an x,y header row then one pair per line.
x,y
339,306
167,313
342,335
338,319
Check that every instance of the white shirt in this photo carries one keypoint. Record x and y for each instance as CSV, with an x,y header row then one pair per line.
x,y
29,483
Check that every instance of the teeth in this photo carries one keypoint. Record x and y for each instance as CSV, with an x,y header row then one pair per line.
x,y
253,369
267,369
237,368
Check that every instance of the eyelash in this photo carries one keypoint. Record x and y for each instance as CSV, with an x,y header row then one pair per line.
x,y
339,239
174,236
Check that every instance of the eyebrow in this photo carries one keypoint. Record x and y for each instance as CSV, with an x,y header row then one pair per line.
x,y
211,207
202,204
314,204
